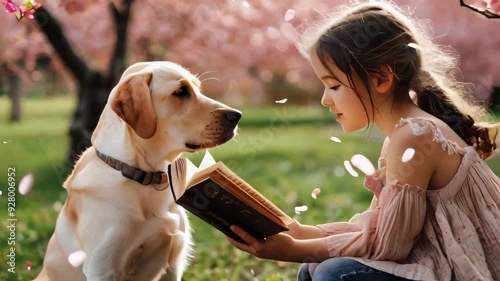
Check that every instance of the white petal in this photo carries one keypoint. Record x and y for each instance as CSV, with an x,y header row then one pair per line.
x,y
282,101
349,168
299,209
408,155
245,4
335,139
289,15
77,258
315,193
26,184
361,162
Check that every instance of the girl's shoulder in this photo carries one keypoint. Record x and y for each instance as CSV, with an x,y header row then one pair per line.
x,y
440,133
423,152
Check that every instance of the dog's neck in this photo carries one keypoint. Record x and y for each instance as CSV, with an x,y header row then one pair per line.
x,y
112,138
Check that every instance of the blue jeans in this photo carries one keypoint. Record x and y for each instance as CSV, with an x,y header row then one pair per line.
x,y
342,269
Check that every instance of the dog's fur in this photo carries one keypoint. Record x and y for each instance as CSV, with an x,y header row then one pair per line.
x,y
129,231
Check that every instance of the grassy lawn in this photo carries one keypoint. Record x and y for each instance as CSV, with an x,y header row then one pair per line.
x,y
283,151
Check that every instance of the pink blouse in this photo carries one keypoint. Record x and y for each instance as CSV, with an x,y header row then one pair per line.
x,y
448,234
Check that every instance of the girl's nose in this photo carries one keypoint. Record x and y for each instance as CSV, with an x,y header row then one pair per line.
x,y
326,101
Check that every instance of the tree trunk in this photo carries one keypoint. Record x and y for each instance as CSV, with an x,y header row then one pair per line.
x,y
14,91
93,86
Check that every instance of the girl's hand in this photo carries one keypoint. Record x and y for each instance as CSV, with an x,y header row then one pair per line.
x,y
277,247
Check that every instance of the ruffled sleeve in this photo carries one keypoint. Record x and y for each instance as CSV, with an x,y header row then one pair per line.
x,y
386,231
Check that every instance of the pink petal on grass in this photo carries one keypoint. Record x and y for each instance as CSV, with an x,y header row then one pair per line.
x,y
289,15
335,139
300,209
350,169
29,264
315,193
77,258
361,162
26,184
408,155
281,101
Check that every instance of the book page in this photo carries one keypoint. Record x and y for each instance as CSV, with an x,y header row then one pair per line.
x,y
182,170
207,161
250,195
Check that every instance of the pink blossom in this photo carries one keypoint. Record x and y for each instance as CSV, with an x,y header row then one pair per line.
x,y
494,6
10,7
27,9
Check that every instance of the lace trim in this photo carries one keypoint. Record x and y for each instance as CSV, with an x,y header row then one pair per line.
x,y
421,126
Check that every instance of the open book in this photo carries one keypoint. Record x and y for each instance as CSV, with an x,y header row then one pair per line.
x,y
218,196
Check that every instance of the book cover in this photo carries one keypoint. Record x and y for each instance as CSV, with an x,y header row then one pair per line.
x,y
218,196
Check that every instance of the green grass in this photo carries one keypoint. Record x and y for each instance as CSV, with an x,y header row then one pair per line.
x,y
283,151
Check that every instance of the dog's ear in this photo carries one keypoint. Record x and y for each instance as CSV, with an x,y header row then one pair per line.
x,y
133,104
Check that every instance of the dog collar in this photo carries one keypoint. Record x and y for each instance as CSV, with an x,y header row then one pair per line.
x,y
133,173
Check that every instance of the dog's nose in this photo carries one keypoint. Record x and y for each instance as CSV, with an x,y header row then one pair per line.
x,y
232,116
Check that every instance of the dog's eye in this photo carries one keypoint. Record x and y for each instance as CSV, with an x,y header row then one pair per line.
x,y
182,92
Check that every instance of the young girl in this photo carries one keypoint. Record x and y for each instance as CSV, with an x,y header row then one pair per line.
x,y
435,216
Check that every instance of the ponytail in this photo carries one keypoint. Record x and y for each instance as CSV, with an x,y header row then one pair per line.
x,y
433,99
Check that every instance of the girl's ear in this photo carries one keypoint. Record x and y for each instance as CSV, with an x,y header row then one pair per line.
x,y
382,80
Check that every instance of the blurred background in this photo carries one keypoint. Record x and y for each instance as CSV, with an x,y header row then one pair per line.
x,y
57,69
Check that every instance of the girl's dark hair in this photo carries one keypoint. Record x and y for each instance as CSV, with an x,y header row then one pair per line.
x,y
364,37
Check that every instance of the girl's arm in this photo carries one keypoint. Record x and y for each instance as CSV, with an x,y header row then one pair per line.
x,y
386,232
282,247
304,231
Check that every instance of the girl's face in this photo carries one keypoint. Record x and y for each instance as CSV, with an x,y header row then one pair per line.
x,y
340,97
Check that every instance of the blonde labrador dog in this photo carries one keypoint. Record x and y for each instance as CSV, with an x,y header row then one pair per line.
x,y
119,212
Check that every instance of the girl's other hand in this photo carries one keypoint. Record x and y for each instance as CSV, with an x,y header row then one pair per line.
x,y
276,247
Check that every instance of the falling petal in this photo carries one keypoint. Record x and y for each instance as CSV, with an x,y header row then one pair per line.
x,y
281,101
300,209
350,169
335,139
408,155
252,272
315,193
361,162
414,46
77,258
26,184
29,264
289,15
245,4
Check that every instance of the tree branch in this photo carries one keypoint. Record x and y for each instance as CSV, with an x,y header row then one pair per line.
x,y
52,29
487,13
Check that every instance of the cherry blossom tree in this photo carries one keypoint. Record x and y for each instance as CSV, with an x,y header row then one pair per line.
x,y
244,50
